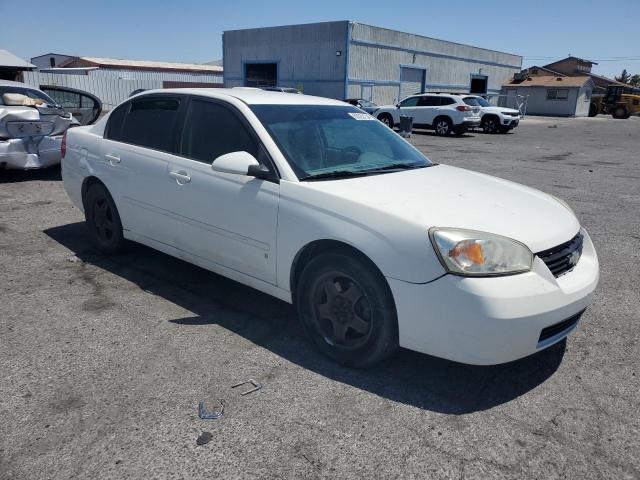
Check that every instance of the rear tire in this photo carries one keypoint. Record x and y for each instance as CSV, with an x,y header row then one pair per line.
x,y
593,110
442,126
102,220
386,119
347,309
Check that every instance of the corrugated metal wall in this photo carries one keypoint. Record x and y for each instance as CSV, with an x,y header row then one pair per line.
x,y
377,54
114,86
537,103
305,54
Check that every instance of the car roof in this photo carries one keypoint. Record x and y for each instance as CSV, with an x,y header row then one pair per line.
x,y
439,94
251,96
9,83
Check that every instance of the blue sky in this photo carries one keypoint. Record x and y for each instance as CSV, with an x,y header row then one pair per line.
x,y
190,30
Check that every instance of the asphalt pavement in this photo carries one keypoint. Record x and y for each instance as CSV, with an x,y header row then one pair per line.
x,y
103,360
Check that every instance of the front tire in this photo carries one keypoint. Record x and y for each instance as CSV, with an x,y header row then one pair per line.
x,y
620,112
347,309
102,220
386,119
490,124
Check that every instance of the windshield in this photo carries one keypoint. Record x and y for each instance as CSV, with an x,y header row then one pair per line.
x,y
37,95
323,140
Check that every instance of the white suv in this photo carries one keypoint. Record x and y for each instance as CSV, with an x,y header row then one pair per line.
x,y
442,112
494,119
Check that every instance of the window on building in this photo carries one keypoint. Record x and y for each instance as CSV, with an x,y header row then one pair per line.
x,y
52,61
150,123
534,71
211,130
557,94
261,75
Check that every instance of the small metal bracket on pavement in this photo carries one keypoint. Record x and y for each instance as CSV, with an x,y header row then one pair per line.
x,y
202,411
256,386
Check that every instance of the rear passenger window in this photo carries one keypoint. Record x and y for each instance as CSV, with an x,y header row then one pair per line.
x,y
447,101
429,101
150,123
114,126
211,130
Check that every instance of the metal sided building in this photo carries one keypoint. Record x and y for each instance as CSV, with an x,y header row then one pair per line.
x,y
345,59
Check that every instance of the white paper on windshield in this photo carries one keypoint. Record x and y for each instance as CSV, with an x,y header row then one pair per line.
x,y
361,116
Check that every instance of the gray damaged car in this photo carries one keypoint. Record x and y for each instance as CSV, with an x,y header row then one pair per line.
x,y
32,122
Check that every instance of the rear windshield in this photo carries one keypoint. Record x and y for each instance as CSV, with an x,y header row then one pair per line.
x,y
479,101
318,139
471,101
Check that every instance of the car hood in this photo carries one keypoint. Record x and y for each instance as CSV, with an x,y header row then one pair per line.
x,y
499,109
444,196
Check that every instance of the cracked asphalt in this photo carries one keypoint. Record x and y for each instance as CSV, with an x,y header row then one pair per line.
x,y
103,360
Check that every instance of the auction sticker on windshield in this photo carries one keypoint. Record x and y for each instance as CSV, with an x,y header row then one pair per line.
x,y
361,116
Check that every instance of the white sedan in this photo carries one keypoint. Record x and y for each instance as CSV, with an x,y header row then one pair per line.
x,y
315,202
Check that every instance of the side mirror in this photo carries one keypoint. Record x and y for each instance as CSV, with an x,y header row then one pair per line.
x,y
397,105
240,163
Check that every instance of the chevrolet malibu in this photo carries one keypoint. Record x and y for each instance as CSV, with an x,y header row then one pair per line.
x,y
316,203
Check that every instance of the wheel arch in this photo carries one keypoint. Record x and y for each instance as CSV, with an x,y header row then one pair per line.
x,y
443,116
87,182
490,115
319,247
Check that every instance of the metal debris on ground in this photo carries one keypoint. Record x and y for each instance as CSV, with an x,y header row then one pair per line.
x,y
202,411
204,438
256,386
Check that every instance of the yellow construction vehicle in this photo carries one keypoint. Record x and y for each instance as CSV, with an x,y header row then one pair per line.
x,y
619,102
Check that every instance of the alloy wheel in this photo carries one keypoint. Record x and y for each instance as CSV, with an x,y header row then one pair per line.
x,y
341,310
442,127
103,218
489,126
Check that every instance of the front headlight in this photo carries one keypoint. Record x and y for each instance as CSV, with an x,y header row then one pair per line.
x,y
479,254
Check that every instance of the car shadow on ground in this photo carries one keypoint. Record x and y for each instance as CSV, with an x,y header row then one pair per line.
x,y
15,176
412,378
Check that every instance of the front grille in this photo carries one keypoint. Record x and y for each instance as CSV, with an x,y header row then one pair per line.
x,y
563,258
558,328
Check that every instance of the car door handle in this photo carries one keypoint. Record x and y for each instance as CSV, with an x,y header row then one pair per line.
x,y
181,177
113,159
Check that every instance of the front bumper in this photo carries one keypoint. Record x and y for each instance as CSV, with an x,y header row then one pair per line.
x,y
511,121
30,152
487,321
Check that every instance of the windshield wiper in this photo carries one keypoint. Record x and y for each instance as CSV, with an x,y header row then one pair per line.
x,y
362,173
395,166
336,174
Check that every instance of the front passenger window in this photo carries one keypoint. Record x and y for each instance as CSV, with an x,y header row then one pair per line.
x,y
212,130
409,102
